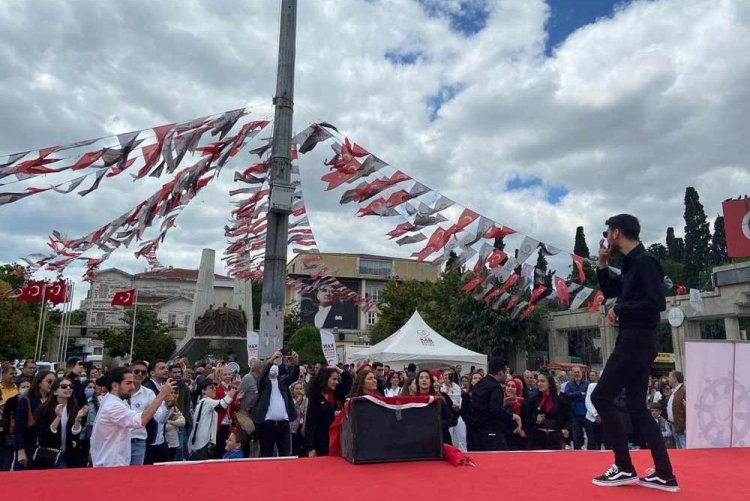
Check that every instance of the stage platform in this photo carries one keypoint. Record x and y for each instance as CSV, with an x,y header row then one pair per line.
x,y
704,475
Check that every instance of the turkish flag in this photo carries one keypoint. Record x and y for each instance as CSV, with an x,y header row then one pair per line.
x,y
597,302
737,227
578,261
56,292
562,290
124,298
32,292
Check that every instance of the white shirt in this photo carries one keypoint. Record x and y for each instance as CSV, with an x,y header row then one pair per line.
x,y
670,404
454,392
110,439
393,392
204,419
591,412
276,407
138,403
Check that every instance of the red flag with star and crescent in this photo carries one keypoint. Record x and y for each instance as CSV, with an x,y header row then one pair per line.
x,y
32,292
124,298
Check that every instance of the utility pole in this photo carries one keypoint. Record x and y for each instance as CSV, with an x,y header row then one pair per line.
x,y
282,191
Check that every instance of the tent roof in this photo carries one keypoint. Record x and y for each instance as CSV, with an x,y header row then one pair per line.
x,y
417,342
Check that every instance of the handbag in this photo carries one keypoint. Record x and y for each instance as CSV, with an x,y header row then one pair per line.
x,y
244,421
45,458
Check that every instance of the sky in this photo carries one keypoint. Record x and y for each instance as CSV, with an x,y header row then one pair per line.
x,y
540,115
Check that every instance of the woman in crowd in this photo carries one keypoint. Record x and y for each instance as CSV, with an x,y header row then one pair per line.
x,y
58,424
426,385
202,440
223,379
8,413
366,383
547,423
325,399
24,432
92,406
410,387
465,411
175,422
297,426
454,392
393,389
515,439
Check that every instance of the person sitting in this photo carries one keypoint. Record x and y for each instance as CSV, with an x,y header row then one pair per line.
x,y
325,399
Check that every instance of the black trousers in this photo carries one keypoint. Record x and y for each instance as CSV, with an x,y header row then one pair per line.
x,y
275,433
581,425
489,440
595,440
222,435
628,368
157,453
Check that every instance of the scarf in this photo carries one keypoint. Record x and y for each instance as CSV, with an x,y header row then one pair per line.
x,y
330,398
516,406
545,402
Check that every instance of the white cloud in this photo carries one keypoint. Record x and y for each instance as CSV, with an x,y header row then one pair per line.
x,y
626,113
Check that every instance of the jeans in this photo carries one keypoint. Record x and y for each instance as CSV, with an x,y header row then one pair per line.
x,y
275,433
182,451
680,441
628,368
137,451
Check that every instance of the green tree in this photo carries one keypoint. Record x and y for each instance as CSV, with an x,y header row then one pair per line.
x,y
18,327
541,262
697,238
292,322
306,342
675,246
659,250
9,273
152,339
397,304
719,243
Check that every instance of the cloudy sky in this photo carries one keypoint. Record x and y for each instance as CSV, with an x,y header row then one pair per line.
x,y
542,115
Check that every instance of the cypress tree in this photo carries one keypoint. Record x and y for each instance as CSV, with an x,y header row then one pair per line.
x,y
674,249
697,254
580,248
719,243
541,262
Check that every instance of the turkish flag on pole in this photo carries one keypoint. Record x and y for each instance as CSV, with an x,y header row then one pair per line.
x,y
56,292
737,227
32,292
124,298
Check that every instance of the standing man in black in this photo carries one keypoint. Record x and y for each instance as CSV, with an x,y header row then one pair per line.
x,y
639,291
489,417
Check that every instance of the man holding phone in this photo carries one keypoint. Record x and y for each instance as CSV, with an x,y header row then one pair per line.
x,y
639,290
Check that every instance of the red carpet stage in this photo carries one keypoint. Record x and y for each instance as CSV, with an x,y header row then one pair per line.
x,y
707,474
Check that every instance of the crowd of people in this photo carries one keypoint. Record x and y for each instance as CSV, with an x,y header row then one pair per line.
x,y
153,412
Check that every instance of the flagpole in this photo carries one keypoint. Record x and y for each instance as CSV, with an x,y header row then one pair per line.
x,y
67,327
67,311
39,331
61,327
132,334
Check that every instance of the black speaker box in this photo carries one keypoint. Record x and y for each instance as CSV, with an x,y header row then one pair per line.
x,y
372,433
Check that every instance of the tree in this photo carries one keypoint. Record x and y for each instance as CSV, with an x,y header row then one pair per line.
x,y
398,301
581,248
152,339
541,262
697,238
18,327
719,243
306,342
659,250
675,246
11,274
292,322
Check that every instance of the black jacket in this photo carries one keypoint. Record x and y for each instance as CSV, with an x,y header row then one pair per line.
x,y
639,289
152,427
448,417
558,418
264,394
320,415
48,438
487,410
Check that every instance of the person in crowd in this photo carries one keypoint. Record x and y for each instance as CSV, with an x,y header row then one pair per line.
x,y
297,426
140,399
202,439
93,373
302,378
111,438
593,377
575,392
489,417
365,383
676,408
58,424
393,389
248,388
666,428
25,432
325,399
427,385
454,392
410,386
662,398
233,445
157,450
548,424
639,289
184,403
8,387
176,423
411,370
92,406
379,370
223,379
465,411
28,371
515,438
7,418
465,383
592,416
74,370
275,408
482,373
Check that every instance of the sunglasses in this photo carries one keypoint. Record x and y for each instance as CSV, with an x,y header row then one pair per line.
x,y
65,386
139,371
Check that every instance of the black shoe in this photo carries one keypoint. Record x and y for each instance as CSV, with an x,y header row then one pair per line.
x,y
615,477
655,481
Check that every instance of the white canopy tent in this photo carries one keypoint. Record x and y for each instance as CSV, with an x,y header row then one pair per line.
x,y
416,342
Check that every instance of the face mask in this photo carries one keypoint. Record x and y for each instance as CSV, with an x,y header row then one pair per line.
x,y
89,392
23,391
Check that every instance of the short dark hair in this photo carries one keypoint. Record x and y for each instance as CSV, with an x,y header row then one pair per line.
x,y
377,365
496,365
175,366
154,363
679,377
139,362
411,368
627,224
116,375
72,362
27,362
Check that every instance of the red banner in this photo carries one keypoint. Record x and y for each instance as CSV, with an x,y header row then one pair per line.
x,y
56,292
737,227
32,292
124,298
